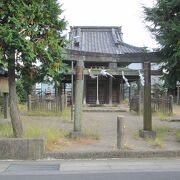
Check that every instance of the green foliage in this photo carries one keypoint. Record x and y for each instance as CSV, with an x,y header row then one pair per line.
x,y
164,20
20,91
32,31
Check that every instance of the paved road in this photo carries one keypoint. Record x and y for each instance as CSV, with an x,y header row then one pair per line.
x,y
125,169
100,176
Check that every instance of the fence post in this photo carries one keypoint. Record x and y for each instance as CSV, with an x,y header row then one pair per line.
x,y
29,103
138,101
171,104
62,102
65,100
120,132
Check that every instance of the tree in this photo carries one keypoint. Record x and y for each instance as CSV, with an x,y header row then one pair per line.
x,y
31,44
165,26
21,93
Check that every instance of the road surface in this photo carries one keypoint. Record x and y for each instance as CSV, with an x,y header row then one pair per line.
x,y
110,169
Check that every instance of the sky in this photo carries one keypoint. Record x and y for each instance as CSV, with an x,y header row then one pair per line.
x,y
125,13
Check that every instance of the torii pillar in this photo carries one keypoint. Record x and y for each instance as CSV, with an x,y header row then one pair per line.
x,y
78,99
147,113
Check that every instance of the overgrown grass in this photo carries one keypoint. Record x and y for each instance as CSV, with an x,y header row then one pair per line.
x,y
178,135
161,133
162,116
52,135
129,146
66,114
6,130
55,137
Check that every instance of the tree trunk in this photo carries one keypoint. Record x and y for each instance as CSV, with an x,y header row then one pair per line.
x,y
14,111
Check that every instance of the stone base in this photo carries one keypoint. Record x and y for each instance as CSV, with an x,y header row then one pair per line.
x,y
147,134
21,148
76,134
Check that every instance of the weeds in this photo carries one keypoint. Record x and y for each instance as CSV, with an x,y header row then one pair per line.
x,y
161,133
157,142
162,116
178,135
66,114
128,146
52,135
6,130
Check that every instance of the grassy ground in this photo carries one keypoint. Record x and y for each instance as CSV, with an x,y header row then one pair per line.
x,y
99,130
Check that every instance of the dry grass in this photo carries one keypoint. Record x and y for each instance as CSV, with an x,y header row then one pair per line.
x,y
161,132
157,142
129,146
6,130
178,135
162,116
52,135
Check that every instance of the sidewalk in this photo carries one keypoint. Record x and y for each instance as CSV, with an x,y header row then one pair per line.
x,y
91,166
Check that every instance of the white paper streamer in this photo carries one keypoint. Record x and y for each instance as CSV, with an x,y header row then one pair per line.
x,y
125,79
91,74
141,78
105,73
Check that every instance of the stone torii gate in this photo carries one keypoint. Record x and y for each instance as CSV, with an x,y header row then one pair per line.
x,y
145,58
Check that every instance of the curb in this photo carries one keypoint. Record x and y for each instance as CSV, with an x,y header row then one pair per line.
x,y
113,154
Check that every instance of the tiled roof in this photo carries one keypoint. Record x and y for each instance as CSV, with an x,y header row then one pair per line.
x,y
107,40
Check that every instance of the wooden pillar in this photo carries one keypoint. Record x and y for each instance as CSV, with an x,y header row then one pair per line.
x,y
110,89
78,99
5,105
129,92
84,94
147,98
147,114
178,94
138,96
121,90
72,91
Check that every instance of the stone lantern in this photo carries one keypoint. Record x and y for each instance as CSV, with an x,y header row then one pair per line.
x,y
48,99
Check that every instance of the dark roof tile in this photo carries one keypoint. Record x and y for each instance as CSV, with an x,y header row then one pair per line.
x,y
106,40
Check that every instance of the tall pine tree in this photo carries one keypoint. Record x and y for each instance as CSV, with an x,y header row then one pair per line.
x,y
31,44
164,19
